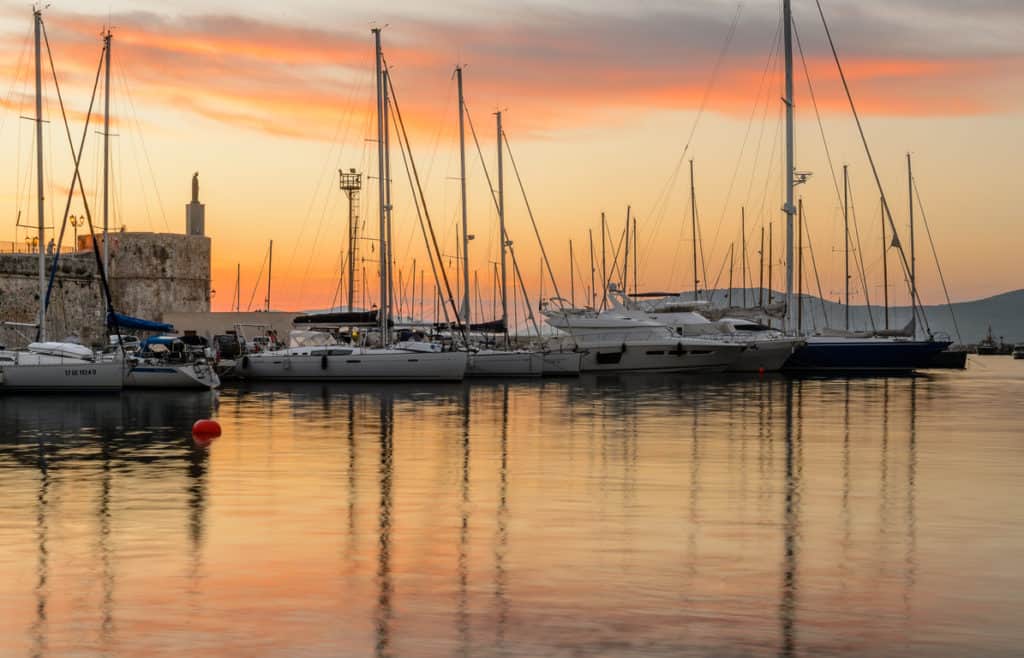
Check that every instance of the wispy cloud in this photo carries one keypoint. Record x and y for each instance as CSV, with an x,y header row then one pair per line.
x,y
552,66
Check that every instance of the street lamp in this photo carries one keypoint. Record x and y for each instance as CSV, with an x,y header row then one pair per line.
x,y
76,222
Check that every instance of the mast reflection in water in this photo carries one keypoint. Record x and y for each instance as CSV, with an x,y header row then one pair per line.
x,y
625,516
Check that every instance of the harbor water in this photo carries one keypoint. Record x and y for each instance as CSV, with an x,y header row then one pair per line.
x,y
661,515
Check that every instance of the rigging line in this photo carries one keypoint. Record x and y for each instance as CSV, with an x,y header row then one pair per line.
x,y
938,265
344,120
814,264
670,183
859,260
17,77
104,283
135,148
773,57
718,277
515,263
874,170
142,144
419,187
614,272
529,211
526,298
746,137
419,215
256,285
700,246
77,157
817,115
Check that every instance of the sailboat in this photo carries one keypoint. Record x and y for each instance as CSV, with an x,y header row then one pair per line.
x,y
842,353
486,361
53,365
399,361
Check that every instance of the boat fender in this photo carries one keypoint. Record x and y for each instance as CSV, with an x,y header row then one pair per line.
x,y
623,348
323,362
245,363
679,349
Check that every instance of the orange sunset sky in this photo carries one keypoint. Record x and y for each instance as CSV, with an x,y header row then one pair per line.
x,y
268,100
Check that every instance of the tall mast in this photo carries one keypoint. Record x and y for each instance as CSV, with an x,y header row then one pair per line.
x,y
39,175
604,264
501,232
760,272
625,258
743,252
106,149
593,290
238,287
693,227
846,240
572,278
913,261
885,267
789,209
771,251
382,228
270,271
731,247
800,269
636,261
386,182
462,183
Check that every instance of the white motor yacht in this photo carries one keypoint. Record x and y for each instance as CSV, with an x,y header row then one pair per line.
x,y
624,340
766,349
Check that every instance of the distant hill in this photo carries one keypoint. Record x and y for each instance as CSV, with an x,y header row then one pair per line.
x,y
1004,313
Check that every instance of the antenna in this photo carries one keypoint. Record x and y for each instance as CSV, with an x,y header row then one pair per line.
x,y
351,182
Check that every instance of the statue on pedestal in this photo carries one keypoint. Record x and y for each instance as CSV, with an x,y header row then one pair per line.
x,y
195,187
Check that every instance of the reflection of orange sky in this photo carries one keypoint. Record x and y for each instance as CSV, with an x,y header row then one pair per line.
x,y
628,514
260,108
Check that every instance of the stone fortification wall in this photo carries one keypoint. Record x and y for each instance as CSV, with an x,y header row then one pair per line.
x,y
76,306
150,274
153,273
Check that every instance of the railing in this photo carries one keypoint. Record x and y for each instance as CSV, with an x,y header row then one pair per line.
x,y
26,248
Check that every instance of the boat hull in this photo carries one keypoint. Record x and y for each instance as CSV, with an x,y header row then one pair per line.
x,y
949,360
384,366
863,355
64,377
562,364
496,363
171,376
660,356
765,355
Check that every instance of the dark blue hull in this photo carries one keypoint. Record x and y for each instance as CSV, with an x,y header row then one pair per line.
x,y
863,355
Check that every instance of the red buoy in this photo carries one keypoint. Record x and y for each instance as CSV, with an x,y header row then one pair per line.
x,y
205,430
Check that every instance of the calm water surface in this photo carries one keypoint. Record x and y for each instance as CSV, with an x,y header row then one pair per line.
x,y
628,516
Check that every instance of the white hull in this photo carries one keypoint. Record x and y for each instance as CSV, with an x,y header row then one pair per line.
x,y
358,364
765,355
665,356
562,364
62,375
161,375
497,363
